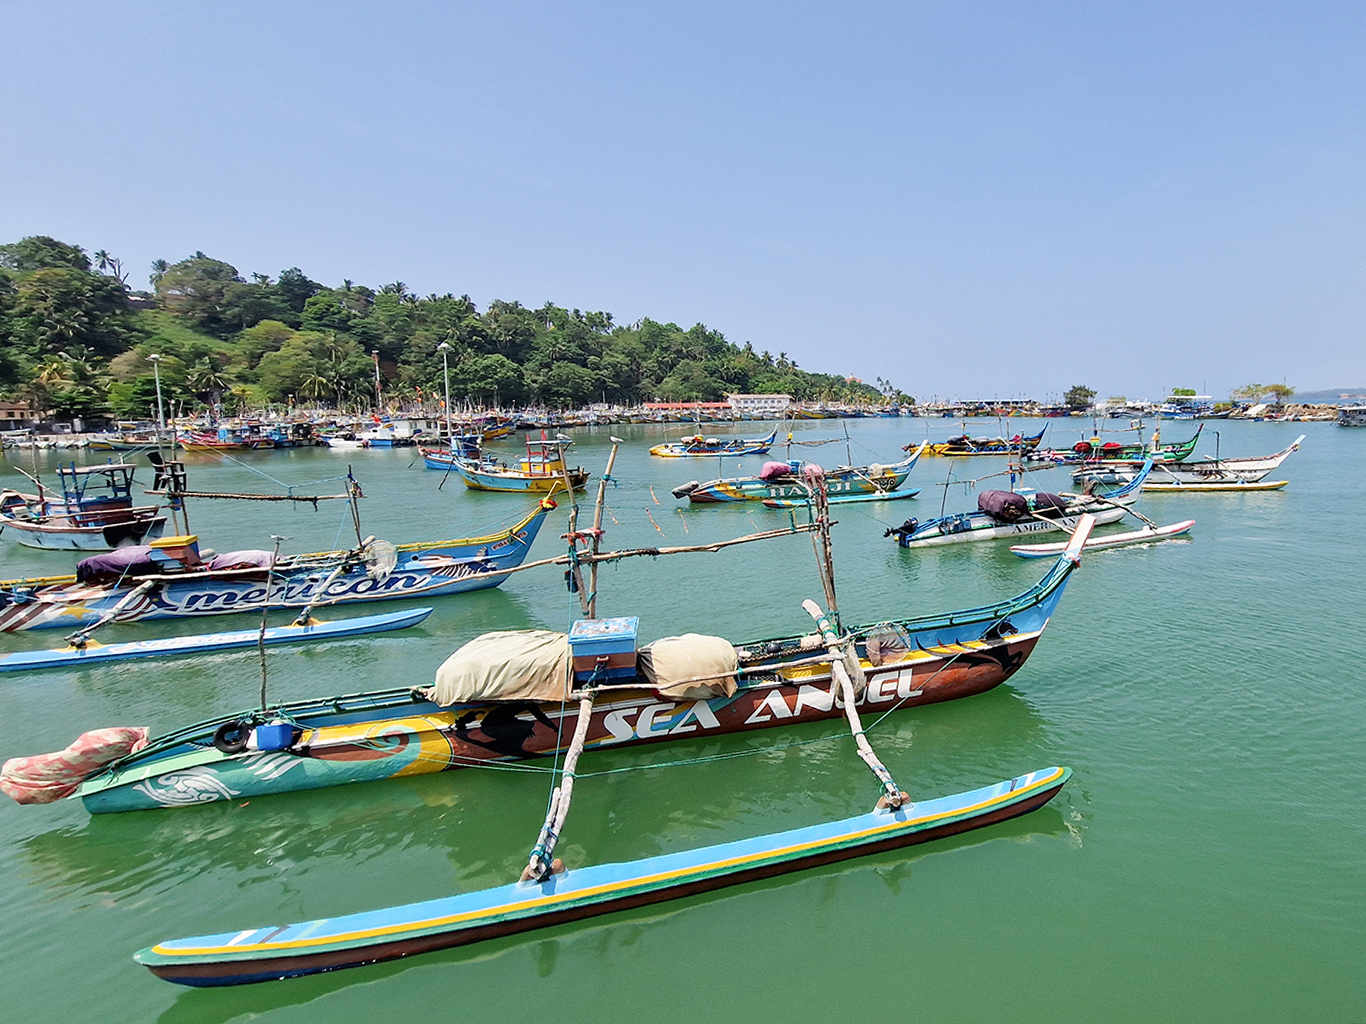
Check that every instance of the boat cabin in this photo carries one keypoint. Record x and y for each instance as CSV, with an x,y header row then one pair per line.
x,y
545,458
93,488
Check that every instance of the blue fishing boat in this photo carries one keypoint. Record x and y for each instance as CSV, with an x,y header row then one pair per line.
x,y
699,447
541,470
787,481
170,579
91,510
1020,513
464,447
93,653
853,499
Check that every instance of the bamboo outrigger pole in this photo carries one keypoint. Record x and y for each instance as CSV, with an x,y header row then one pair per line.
x,y
843,657
542,862
892,794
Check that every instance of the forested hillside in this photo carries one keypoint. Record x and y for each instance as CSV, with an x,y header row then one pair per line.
x,y
75,341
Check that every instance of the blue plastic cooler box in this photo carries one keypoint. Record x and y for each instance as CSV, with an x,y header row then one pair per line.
x,y
604,648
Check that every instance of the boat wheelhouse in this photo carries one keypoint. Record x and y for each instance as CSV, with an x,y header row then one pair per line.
x,y
95,511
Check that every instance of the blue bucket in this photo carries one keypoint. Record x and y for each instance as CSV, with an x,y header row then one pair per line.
x,y
275,736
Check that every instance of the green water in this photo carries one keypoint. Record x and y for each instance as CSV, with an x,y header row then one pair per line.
x,y
1204,864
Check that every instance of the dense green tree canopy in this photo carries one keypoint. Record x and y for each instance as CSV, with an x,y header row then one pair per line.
x,y
72,342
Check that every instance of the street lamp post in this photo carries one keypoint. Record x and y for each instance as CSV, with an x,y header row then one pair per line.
x,y
444,348
156,372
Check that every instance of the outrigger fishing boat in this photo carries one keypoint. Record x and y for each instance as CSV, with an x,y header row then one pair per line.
x,y
542,470
1095,452
95,511
699,447
853,499
786,480
549,893
467,447
1202,475
492,426
1018,513
227,439
123,441
171,578
966,445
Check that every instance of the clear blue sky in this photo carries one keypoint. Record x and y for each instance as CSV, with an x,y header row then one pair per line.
x,y
968,198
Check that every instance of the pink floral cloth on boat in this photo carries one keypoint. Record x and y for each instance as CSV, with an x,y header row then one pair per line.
x,y
43,778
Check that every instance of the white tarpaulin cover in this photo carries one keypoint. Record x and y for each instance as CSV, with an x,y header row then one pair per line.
x,y
523,664
691,666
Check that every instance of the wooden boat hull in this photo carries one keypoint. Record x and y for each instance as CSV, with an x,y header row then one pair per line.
x,y
842,482
847,500
510,481
1114,540
256,444
1208,472
97,654
1215,487
423,570
837,484
393,733
59,535
727,449
270,953
978,526
995,446
104,445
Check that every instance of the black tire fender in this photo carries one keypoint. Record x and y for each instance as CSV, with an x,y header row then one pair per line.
x,y
231,737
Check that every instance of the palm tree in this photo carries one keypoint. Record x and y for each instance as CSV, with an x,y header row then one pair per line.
x,y
314,385
205,379
53,371
159,268
103,261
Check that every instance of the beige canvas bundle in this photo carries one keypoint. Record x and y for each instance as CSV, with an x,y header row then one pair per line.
x,y
523,664
691,666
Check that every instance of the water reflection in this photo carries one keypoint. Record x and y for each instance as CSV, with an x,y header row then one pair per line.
x,y
479,824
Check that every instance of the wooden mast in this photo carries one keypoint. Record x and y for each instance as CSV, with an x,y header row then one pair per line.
x,y
597,528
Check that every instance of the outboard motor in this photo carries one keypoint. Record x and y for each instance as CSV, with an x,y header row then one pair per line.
x,y
904,530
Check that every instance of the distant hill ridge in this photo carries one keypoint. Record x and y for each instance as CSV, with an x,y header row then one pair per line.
x,y
1330,396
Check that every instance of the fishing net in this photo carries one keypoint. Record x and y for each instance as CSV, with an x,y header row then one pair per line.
x,y
380,559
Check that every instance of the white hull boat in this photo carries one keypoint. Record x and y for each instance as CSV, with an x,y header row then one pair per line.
x,y
1115,540
1209,471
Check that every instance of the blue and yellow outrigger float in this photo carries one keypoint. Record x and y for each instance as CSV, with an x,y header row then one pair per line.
x,y
286,951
